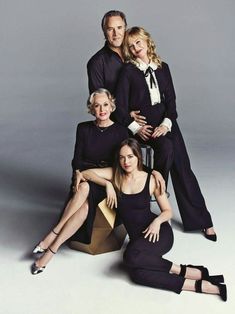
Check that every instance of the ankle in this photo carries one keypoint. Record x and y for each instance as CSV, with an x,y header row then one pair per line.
x,y
210,231
207,287
175,269
52,251
55,232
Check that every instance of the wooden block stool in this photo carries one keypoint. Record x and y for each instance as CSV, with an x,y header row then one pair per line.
x,y
105,236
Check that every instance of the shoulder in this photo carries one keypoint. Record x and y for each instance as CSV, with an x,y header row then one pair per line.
x,y
165,67
121,131
97,57
85,125
119,127
152,184
128,69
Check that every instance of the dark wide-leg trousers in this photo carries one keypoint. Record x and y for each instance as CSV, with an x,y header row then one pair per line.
x,y
147,266
170,156
191,203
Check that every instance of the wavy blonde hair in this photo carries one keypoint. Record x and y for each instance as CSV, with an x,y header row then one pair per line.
x,y
141,33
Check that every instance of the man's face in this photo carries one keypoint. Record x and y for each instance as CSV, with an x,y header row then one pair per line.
x,y
115,31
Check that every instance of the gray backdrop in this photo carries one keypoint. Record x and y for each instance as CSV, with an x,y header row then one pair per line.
x,y
44,48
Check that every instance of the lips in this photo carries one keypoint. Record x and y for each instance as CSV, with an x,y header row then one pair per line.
x,y
138,52
102,114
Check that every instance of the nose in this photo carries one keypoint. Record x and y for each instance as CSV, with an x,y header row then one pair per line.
x,y
101,108
114,32
135,47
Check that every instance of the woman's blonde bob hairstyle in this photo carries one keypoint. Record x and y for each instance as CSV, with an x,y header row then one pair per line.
x,y
139,32
91,102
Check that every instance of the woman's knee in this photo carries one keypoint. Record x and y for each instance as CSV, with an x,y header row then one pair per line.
x,y
83,189
166,146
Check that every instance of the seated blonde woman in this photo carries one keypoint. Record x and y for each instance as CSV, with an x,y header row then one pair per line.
x,y
96,143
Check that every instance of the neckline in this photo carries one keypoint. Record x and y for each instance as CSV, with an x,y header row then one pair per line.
x,y
102,129
112,52
146,181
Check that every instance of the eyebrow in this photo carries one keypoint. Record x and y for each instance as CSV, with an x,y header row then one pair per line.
x,y
126,155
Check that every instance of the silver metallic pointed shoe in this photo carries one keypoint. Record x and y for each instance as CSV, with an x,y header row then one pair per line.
x,y
38,249
36,269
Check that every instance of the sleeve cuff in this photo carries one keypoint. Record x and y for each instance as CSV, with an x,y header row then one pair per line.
x,y
134,127
167,122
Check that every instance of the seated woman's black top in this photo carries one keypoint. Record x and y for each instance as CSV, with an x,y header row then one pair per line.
x,y
95,147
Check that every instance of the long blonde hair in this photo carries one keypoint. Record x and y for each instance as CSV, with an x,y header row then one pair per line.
x,y
140,32
118,172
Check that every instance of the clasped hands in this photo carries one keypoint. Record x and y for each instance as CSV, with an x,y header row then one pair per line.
x,y
147,131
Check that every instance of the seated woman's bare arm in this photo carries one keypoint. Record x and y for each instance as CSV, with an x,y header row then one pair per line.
x,y
98,175
162,200
103,177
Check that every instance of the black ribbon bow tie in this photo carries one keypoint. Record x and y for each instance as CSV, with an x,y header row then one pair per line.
x,y
149,71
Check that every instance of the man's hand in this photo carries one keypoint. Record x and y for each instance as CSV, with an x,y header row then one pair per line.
x,y
160,182
160,131
145,132
141,120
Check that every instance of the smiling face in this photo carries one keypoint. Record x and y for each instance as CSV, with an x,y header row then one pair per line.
x,y
115,31
101,107
138,48
127,159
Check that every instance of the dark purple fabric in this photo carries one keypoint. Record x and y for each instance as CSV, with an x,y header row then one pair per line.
x,y
103,69
95,149
170,154
143,258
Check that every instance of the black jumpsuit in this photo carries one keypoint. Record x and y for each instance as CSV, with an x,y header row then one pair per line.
x,y
143,258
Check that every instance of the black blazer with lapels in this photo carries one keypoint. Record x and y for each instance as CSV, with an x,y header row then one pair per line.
x,y
132,93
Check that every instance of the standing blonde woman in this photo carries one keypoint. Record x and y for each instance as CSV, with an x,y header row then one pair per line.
x,y
145,85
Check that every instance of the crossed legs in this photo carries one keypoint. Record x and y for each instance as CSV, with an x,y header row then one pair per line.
x,y
74,215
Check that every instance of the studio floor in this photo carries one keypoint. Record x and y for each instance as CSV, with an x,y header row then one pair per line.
x,y
76,282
